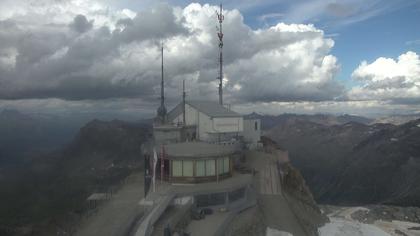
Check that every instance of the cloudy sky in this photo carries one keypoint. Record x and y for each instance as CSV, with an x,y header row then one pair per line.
x,y
322,56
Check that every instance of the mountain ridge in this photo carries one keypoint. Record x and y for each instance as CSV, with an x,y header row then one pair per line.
x,y
54,186
355,163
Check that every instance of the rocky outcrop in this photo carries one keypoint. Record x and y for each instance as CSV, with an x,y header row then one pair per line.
x,y
301,200
290,208
248,223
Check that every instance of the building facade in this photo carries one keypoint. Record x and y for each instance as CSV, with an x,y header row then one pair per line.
x,y
213,122
195,162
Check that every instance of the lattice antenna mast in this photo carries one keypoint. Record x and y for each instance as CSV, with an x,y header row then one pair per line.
x,y
220,17
184,95
162,84
162,109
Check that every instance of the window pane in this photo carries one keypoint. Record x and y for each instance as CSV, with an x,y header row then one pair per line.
x,y
188,168
202,200
176,168
213,199
226,165
217,199
210,168
200,168
220,166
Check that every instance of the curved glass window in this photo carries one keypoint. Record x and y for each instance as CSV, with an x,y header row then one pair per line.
x,y
220,166
200,168
226,166
177,168
187,168
210,168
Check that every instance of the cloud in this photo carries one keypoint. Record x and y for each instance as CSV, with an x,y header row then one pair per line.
x,y
156,23
340,10
413,42
81,24
333,14
386,79
106,53
268,18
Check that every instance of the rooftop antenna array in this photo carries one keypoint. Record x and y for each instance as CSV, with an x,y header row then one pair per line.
x,y
162,109
183,102
220,17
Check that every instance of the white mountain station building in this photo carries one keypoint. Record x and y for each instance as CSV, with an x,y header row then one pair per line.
x,y
210,122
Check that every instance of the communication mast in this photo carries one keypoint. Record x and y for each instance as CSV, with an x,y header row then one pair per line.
x,y
220,17
183,102
162,109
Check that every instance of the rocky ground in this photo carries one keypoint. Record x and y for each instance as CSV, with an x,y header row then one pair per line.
x,y
247,223
372,220
289,209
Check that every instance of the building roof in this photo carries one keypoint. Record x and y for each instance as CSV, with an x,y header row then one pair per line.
x,y
199,150
213,109
210,108
176,111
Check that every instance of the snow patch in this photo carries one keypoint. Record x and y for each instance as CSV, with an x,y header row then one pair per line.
x,y
401,226
276,232
346,212
343,227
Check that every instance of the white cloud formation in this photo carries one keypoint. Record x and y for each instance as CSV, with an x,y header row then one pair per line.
x,y
77,50
387,79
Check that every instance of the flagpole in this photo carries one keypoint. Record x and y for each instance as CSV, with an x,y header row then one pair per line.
x,y
162,164
154,169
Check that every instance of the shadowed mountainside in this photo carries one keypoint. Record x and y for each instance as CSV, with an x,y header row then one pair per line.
x,y
355,163
23,136
269,121
45,189
397,119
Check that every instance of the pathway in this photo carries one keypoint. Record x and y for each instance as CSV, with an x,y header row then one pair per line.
x,y
275,208
115,217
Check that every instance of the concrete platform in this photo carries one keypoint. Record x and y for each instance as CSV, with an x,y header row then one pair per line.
x,y
116,216
155,203
208,226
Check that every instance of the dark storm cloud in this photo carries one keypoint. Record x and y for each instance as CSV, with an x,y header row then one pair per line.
x,y
52,63
397,82
81,24
122,60
85,87
159,23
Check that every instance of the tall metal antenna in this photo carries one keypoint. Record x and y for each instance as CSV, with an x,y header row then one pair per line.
x,y
183,102
220,17
162,88
162,109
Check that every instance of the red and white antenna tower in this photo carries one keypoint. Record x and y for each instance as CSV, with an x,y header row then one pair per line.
x,y
220,17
